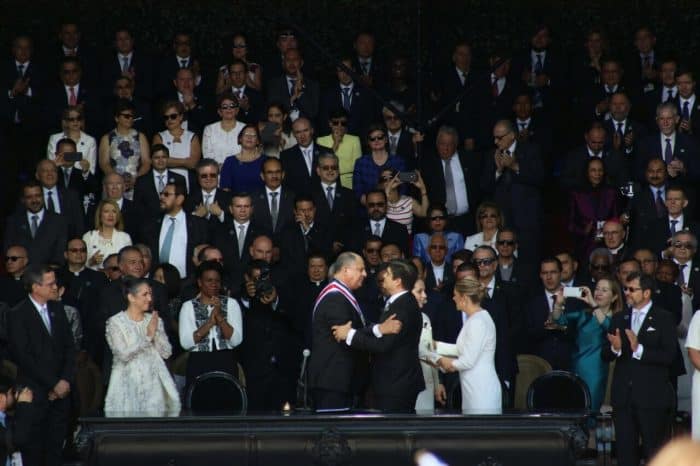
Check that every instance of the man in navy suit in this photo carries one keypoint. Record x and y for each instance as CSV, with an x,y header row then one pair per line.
x,y
379,225
402,141
299,94
251,104
273,205
688,104
64,202
180,58
595,104
206,200
299,162
372,74
148,186
667,91
622,133
72,90
495,93
127,61
642,342
532,127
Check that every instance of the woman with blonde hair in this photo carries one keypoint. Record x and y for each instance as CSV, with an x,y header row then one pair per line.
x,y
108,236
475,351
73,124
489,219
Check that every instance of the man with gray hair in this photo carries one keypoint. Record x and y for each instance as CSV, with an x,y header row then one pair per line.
x,y
452,178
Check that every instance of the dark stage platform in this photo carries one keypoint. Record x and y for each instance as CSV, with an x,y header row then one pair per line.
x,y
306,439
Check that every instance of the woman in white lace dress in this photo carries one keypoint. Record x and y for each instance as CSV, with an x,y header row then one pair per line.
x,y
140,383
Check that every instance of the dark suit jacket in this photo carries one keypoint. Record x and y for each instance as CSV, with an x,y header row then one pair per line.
x,y
395,368
554,67
194,198
638,130
42,358
509,329
363,109
27,108
72,209
294,249
167,69
643,218
142,67
378,71
556,346
661,231
573,175
256,107
462,114
307,103
334,365
296,174
685,149
146,195
492,108
650,100
197,233
341,219
592,97
394,232
406,150
17,433
49,243
434,177
225,237
82,291
539,132
643,382
57,100
261,211
81,186
447,278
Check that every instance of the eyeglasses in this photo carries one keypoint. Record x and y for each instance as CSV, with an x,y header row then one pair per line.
x,y
438,217
680,245
77,249
339,123
480,262
376,204
14,258
438,247
228,106
328,168
73,119
505,242
630,289
376,138
207,175
600,267
171,116
128,116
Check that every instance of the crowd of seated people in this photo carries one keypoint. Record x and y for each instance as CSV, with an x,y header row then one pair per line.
x,y
187,214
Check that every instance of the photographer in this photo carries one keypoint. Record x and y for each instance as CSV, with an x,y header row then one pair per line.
x,y
270,352
14,430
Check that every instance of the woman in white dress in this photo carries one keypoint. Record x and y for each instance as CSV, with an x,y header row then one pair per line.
x,y
108,236
426,398
221,138
73,123
692,342
140,383
475,349
489,219
184,146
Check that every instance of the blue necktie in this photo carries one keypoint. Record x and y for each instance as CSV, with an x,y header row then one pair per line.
x,y
538,64
686,111
668,151
346,98
167,242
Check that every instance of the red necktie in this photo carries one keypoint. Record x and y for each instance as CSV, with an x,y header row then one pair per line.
x,y
72,99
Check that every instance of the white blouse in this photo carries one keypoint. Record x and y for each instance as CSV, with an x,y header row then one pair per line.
x,y
86,144
218,143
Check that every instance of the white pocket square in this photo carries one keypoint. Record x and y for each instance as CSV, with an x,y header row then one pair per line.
x,y
651,329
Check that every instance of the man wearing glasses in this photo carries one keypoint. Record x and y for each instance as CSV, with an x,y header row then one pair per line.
x,y
642,342
208,202
11,287
71,91
614,240
379,225
336,206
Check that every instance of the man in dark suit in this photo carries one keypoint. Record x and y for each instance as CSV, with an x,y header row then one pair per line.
x,y
42,233
354,99
299,162
402,141
547,339
273,206
676,221
337,374
511,270
513,176
180,58
285,39
206,200
123,88
647,206
148,186
41,345
623,134
59,200
197,107
127,61
396,375
167,235
595,103
643,345
372,74
438,272
452,178
532,127
379,225
495,93
574,176
336,206
113,190
666,91
15,430
642,65
679,151
302,291
71,90
304,236
251,104
688,105
299,94
71,46
76,177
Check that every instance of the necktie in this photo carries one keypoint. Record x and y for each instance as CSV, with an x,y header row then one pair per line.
x,y
686,110
66,176
50,206
669,94
659,202
72,99
387,306
183,63
291,82
20,71
377,229
619,130
680,281
274,210
462,77
392,144
307,158
636,321
45,317
450,196
161,183
668,151
167,242
365,67
207,200
538,63
125,64
673,226
241,240
494,87
329,196
346,98
554,302
35,225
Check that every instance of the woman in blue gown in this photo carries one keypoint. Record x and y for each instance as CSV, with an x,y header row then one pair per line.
x,y
591,324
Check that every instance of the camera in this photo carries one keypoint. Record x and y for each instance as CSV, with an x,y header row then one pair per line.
x,y
263,284
408,177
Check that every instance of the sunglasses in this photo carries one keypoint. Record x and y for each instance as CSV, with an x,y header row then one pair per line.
x,y
171,116
438,217
480,262
439,247
630,289
14,258
228,106
339,123
77,249
376,204
505,242
128,116
208,175
328,168
680,245
376,138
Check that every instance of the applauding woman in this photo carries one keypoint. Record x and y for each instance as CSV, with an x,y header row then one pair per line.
x,y
140,383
